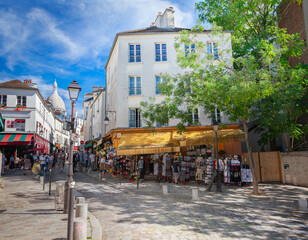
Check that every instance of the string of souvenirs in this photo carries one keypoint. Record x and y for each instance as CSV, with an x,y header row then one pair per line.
x,y
196,164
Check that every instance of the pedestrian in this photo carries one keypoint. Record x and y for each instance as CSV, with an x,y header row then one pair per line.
x,y
27,165
176,170
103,167
74,162
35,158
92,159
140,168
42,161
31,159
17,162
12,162
36,169
4,162
86,159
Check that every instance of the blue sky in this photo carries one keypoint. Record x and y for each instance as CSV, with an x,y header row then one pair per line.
x,y
67,40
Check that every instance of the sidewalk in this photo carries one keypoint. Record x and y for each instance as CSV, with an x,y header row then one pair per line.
x,y
28,212
275,197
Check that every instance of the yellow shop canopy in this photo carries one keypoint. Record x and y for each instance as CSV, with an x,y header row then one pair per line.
x,y
208,136
146,143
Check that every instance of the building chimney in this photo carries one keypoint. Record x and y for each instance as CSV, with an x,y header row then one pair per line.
x,y
165,20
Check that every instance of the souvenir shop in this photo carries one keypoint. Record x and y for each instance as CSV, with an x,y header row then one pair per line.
x,y
195,152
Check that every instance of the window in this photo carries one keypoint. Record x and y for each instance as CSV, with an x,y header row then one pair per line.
x,y
160,52
158,80
22,101
195,116
216,115
189,49
212,49
158,124
134,118
10,124
134,86
20,124
134,53
3,100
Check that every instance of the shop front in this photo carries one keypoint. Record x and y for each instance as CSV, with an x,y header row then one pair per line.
x,y
15,144
193,149
41,145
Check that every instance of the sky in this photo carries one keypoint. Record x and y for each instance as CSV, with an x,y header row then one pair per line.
x,y
65,40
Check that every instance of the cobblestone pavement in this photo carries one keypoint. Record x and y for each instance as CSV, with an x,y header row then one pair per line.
x,y
27,212
138,214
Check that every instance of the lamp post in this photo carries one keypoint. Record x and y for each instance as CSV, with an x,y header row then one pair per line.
x,y
218,180
74,90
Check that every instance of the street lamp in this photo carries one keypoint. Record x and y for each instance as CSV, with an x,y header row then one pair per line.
x,y
74,90
216,126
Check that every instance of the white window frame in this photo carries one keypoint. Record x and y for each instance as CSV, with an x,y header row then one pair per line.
x,y
23,101
137,118
2,100
195,111
189,49
133,88
210,49
134,58
159,55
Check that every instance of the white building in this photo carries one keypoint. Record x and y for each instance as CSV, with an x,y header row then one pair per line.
x,y
27,118
137,60
94,114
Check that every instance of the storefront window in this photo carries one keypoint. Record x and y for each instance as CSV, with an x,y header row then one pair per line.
x,y
20,124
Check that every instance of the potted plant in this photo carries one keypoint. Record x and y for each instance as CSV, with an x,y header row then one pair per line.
x,y
19,107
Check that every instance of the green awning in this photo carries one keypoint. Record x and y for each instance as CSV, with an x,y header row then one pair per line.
x,y
88,145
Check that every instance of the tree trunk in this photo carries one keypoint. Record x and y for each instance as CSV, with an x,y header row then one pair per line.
x,y
286,142
251,163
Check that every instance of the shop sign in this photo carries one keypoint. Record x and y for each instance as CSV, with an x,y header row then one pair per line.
x,y
75,137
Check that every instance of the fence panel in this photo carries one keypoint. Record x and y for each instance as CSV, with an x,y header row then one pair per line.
x,y
270,167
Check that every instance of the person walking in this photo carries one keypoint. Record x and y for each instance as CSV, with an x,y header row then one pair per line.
x,y
92,159
35,158
12,162
42,161
140,168
176,170
27,165
74,162
103,167
4,162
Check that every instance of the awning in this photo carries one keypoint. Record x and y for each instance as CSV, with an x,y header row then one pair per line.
x,y
208,137
12,139
88,145
36,149
146,143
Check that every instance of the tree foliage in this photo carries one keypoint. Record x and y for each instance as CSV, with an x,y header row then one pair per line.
x,y
254,81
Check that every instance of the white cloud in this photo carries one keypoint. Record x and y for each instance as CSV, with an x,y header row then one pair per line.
x,y
82,31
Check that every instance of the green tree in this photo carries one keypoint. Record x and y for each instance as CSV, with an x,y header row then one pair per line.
x,y
236,85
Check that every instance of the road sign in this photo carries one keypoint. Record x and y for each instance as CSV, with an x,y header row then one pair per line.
x,y
81,142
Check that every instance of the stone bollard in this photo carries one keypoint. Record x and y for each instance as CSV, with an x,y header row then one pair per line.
x,y
79,229
41,180
82,211
81,200
59,195
89,171
195,193
166,189
302,203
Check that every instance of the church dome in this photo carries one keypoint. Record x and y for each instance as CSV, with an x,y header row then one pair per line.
x,y
56,100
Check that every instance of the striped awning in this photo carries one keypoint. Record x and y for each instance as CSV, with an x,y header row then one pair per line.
x,y
15,138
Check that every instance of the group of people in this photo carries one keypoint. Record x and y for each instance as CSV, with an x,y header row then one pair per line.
x,y
37,162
